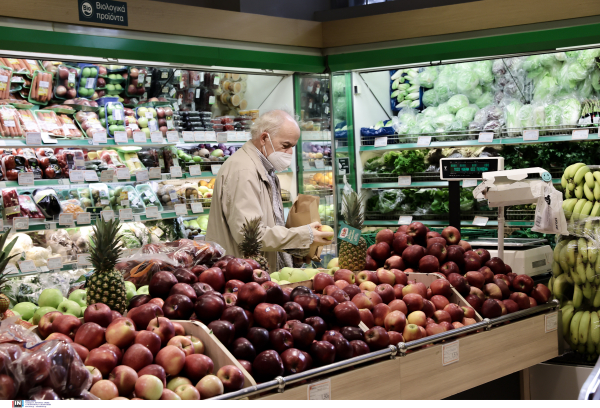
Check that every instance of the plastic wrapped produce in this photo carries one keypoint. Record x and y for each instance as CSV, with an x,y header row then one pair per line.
x,y
12,165
27,121
466,81
525,116
511,117
47,201
571,74
430,112
587,58
486,98
466,115
427,77
553,115
457,102
9,123
430,97
443,123
483,69
49,122
10,202
545,88
28,208
570,111
474,94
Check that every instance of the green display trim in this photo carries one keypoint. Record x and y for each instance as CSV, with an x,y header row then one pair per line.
x,y
535,41
390,223
421,184
27,40
299,164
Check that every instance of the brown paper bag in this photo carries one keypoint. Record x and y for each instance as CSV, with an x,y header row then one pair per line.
x,y
305,210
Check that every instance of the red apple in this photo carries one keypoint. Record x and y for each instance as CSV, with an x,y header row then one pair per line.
x,y
455,311
503,287
172,359
385,235
142,315
150,340
66,324
395,321
511,305
103,359
429,264
413,301
449,267
209,307
496,265
359,347
351,290
231,377
381,252
347,314
492,291
322,352
269,316
163,327
295,361
442,316
367,317
465,245
484,255
438,250
267,365
417,318
385,292
377,338
522,283
521,299
215,278
411,332
124,378
321,281
344,274
120,332
400,243
460,283
386,276
105,390
491,308
451,235
90,335
394,262
540,293
210,386
398,291
413,254
472,261
98,313
197,366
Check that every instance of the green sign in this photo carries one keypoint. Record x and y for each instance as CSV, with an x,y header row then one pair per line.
x,y
349,234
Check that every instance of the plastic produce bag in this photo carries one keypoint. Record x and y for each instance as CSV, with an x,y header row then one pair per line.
x,y
571,74
483,69
443,123
466,81
553,115
140,267
549,215
430,97
570,111
525,116
457,102
511,116
427,77
389,200
47,201
486,98
466,115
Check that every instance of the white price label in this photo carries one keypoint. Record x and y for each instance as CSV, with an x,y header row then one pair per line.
x,y
180,209
83,259
319,164
486,137
11,269
195,170
404,180
320,390
217,80
141,176
172,136
363,326
469,183
450,353
71,78
79,163
210,136
148,115
123,174
76,176
154,173
197,208
106,176
65,219
532,134
551,320
108,215
27,266
124,203
164,74
215,169
172,92
55,263
199,136
173,196
157,137
480,221
188,136
120,137
198,90
26,179
424,141
175,171
405,220
381,141
33,138
139,137
47,139
118,114
99,138
90,82
90,175
84,218
125,214
580,134
222,137
152,212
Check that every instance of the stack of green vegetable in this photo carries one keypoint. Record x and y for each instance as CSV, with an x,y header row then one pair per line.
x,y
398,162
417,201
405,89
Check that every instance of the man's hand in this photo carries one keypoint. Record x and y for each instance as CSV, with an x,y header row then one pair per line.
x,y
320,238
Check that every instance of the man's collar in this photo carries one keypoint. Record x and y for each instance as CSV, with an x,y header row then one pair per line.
x,y
268,165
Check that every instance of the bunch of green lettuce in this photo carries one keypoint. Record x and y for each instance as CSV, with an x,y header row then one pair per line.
x,y
409,161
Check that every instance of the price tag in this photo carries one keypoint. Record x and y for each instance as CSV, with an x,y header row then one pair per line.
x,y
197,208
118,114
320,390
90,175
83,259
215,169
71,78
172,92
480,221
148,115
551,322
55,263
154,173
469,183
450,353
188,136
152,212
180,209
123,174
172,136
486,137
532,134
108,215
580,134
217,80
76,176
164,74
156,137
222,137
124,203
47,139
141,176
106,176
199,136
125,214
198,90
381,141
405,220
11,269
50,225
26,179
120,137
99,138
195,170
139,137
404,180
27,266
175,171
424,141
210,136
319,164
84,218
363,326
34,138
79,164
65,219
89,83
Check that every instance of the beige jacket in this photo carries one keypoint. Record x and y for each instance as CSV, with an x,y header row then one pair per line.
x,y
241,192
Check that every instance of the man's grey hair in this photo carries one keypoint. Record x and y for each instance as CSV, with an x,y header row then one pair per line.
x,y
270,122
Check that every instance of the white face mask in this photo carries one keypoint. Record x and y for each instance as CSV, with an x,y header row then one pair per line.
x,y
279,160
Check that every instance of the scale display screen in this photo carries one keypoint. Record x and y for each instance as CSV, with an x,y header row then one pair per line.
x,y
460,169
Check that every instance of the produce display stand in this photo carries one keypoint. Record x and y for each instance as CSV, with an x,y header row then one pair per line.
x,y
407,370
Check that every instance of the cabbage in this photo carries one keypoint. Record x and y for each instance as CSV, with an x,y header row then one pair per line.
x,y
511,116
553,115
430,112
547,60
427,77
570,74
443,90
587,58
457,102
466,81
560,56
466,115
547,86
443,108
525,115
430,98
539,116
571,111
483,69
424,125
585,90
442,123
474,94
532,63
487,98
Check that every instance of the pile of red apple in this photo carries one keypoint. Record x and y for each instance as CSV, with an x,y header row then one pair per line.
x,y
487,283
142,356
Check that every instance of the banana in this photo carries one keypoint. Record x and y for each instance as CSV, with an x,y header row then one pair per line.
x,y
575,276
563,182
589,180
595,327
596,301
580,268
571,256
597,280
579,191
558,248
571,186
568,206
572,170
563,258
567,315
597,190
562,287
592,252
574,327
590,347
551,284
577,209
584,327
556,269
589,193
589,272
577,296
581,348
597,269
582,249
596,175
578,179
568,194
587,290
586,210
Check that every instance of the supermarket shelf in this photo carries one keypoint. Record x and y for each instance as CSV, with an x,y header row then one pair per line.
x,y
387,223
315,170
343,149
66,267
79,143
421,184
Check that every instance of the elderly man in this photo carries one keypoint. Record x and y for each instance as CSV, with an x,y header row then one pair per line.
x,y
247,187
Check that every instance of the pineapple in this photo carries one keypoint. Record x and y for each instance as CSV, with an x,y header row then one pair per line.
x,y
353,257
4,259
250,245
106,285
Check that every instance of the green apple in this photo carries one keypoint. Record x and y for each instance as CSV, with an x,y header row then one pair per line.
x,y
275,276
283,282
333,263
298,275
285,273
311,272
143,290
332,270
50,298
83,311
79,296
40,312
130,289
69,307
25,309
